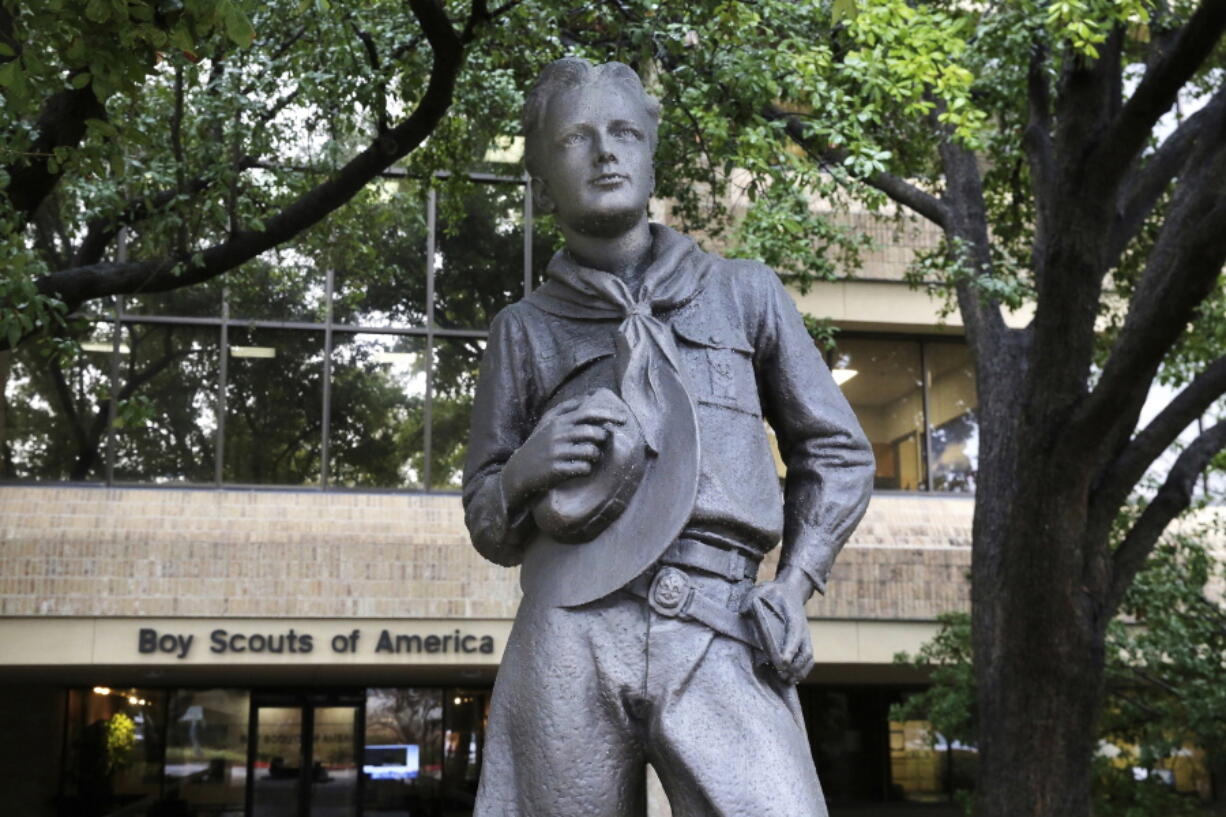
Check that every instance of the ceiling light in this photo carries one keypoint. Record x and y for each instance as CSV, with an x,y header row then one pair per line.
x,y
253,351
105,348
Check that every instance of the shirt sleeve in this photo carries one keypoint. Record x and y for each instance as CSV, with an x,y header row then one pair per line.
x,y
501,422
829,460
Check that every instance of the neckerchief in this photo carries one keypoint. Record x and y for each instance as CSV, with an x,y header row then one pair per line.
x,y
646,350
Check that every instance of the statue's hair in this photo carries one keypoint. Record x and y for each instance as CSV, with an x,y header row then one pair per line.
x,y
574,72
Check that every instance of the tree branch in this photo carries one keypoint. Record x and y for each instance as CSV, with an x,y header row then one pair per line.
x,y
1119,477
372,57
1172,499
1139,197
6,35
102,231
902,192
1156,93
1037,138
1182,269
61,124
968,224
97,280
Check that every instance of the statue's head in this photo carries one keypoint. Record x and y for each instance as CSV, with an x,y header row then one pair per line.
x,y
589,140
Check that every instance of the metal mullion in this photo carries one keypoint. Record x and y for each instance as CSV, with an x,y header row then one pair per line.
x,y
357,328
420,332
112,407
326,418
253,724
223,375
527,235
171,319
428,419
480,177
121,256
927,416
306,760
359,751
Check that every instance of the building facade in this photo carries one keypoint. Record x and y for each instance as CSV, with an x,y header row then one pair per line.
x,y
244,586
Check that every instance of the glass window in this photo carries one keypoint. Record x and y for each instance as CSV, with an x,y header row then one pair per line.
x,y
952,402
274,407
114,750
917,768
201,300
546,240
53,419
206,751
334,772
479,254
882,381
463,745
403,759
280,285
379,263
377,433
456,364
166,418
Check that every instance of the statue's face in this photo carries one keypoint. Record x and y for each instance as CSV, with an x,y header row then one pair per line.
x,y
596,170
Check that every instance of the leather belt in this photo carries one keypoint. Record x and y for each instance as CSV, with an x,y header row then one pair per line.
x,y
728,563
672,594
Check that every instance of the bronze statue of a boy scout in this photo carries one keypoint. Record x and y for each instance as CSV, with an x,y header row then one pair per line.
x,y
618,453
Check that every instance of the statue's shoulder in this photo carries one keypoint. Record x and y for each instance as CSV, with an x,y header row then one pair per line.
x,y
741,273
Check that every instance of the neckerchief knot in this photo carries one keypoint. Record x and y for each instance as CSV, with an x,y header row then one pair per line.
x,y
646,349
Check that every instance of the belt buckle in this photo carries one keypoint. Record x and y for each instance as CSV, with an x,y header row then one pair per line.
x,y
670,592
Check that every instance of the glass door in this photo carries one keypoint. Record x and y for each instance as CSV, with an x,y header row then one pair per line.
x,y
303,761
333,788
276,765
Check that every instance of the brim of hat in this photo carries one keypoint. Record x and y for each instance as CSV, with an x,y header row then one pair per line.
x,y
566,575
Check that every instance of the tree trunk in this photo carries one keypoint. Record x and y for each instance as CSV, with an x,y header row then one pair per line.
x,y
1037,632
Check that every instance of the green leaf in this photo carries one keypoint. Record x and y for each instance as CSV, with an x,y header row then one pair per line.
x,y
844,10
80,80
99,11
9,72
238,27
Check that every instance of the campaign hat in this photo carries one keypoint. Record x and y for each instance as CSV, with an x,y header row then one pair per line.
x,y
595,534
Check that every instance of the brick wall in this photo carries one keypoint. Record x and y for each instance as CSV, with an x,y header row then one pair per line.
x,y
86,551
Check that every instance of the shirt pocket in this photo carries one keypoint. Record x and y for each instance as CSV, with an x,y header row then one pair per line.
x,y
564,363
719,364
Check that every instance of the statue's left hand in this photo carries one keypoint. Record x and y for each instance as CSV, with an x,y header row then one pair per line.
x,y
777,608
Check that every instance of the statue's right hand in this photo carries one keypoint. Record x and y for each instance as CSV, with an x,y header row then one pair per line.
x,y
566,443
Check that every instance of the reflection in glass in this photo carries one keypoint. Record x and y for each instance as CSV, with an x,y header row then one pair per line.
x,y
274,399
334,772
277,764
924,766
463,745
53,417
456,363
403,760
479,253
881,380
376,438
201,300
114,750
282,285
379,260
166,418
206,752
952,402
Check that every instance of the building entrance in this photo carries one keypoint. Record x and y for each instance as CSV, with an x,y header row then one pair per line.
x,y
304,756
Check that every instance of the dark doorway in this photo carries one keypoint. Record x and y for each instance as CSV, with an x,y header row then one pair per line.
x,y
304,755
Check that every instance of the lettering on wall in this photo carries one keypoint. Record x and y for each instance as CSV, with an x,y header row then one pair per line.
x,y
225,642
